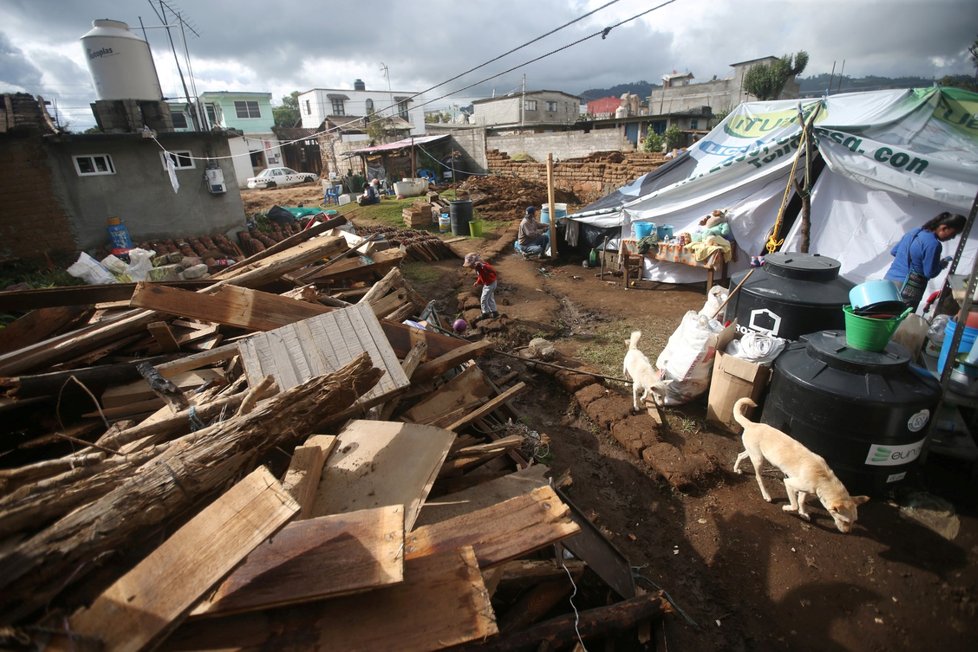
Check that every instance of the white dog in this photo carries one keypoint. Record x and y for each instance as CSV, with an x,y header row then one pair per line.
x,y
807,472
640,371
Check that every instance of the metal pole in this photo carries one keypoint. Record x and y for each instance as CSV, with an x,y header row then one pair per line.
x,y
550,200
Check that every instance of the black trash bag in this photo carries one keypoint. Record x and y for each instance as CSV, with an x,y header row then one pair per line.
x,y
280,216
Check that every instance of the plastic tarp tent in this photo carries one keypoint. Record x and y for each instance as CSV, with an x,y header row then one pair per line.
x,y
893,160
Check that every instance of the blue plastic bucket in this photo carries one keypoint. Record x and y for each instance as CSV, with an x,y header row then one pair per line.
x,y
560,210
664,231
967,340
643,229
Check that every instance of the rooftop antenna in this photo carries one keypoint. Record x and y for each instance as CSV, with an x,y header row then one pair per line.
x,y
390,93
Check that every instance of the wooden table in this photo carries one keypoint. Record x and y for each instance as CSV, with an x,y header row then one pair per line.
x,y
633,262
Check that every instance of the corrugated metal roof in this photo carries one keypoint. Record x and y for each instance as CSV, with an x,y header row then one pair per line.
x,y
405,142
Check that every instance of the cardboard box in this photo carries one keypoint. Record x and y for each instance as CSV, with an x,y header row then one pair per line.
x,y
733,378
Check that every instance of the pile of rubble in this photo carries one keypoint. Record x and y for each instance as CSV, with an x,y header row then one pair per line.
x,y
288,457
509,196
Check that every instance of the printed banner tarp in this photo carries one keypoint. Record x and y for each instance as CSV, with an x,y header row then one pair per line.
x,y
919,144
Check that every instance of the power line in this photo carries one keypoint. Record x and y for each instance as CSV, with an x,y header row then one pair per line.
x,y
603,33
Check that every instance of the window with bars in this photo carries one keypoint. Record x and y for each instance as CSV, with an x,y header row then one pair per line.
x,y
93,164
551,106
338,107
308,107
179,120
211,114
247,109
402,110
530,105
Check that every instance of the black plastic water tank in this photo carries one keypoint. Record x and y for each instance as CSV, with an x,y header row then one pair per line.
x,y
460,213
790,295
865,412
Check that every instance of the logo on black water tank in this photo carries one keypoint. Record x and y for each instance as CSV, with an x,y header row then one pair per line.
x,y
765,321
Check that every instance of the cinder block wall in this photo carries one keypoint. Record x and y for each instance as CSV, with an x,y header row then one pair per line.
x,y
32,220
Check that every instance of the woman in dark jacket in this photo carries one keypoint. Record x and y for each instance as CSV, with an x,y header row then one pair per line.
x,y
917,256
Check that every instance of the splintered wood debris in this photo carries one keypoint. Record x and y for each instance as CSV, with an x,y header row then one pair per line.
x,y
278,457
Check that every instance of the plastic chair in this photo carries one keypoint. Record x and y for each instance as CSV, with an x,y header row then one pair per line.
x,y
332,195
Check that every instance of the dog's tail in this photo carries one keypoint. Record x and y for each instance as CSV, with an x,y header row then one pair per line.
x,y
738,411
633,341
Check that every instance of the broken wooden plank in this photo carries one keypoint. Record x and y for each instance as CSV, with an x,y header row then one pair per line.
x,y
472,456
565,631
378,262
145,603
229,305
115,330
307,234
164,336
79,295
37,325
488,407
378,463
140,390
197,360
499,533
408,365
483,495
441,602
139,498
305,470
461,392
314,559
453,358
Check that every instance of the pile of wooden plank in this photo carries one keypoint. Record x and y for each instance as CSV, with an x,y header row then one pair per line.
x,y
417,245
317,475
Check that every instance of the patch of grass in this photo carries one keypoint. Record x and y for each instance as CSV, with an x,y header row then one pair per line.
x,y
607,349
420,273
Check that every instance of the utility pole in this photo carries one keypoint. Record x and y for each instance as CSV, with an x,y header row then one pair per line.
x,y
523,101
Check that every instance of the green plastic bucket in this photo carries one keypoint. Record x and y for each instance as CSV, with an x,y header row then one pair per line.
x,y
475,228
868,334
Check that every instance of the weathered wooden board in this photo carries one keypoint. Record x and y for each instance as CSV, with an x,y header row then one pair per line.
x,y
499,533
467,389
442,602
122,395
377,463
152,598
317,346
306,469
453,358
314,559
228,305
487,408
483,495
37,325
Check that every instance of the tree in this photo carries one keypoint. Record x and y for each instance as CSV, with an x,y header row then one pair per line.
x,y
766,81
653,142
674,137
288,115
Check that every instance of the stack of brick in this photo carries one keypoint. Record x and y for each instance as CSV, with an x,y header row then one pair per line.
x,y
418,215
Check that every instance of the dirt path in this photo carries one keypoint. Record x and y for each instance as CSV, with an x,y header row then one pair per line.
x,y
750,576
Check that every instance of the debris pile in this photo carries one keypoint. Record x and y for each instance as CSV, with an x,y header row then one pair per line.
x,y
510,196
286,456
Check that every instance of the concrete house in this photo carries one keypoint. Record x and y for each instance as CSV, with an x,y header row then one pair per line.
x,y
251,114
61,188
344,107
537,110
680,95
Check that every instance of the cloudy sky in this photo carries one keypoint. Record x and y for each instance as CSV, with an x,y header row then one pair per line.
x,y
279,46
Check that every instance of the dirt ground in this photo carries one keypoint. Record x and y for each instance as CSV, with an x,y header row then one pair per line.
x,y
744,574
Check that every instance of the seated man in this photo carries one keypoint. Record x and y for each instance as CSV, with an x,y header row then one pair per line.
x,y
370,194
533,235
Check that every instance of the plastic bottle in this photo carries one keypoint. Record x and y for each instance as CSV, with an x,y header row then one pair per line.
x,y
118,233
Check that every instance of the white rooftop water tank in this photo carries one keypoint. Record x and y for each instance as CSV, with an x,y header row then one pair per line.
x,y
120,63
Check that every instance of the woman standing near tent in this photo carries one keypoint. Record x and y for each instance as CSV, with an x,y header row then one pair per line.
x,y
917,257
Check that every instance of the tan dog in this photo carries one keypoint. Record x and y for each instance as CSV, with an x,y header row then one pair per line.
x,y
807,472
640,371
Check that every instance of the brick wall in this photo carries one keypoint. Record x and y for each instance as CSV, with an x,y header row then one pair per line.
x,y
590,177
32,220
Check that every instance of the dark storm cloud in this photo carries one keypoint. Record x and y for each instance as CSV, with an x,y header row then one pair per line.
x,y
284,46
